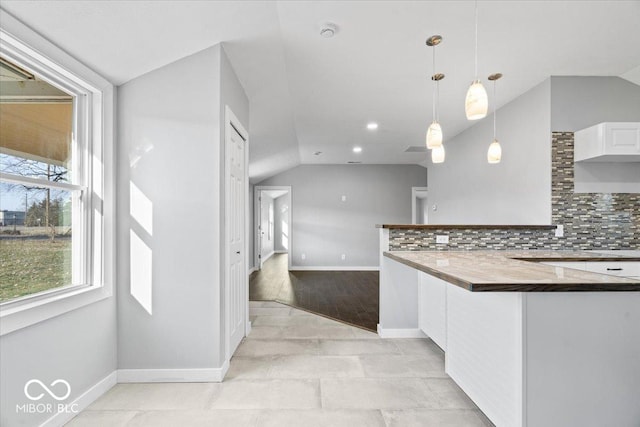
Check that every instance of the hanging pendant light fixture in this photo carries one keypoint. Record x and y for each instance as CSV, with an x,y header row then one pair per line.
x,y
476,102
437,154
494,154
434,133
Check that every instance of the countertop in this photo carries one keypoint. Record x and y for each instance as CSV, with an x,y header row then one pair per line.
x,y
465,227
516,271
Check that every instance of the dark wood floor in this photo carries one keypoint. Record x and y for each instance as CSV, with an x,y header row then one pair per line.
x,y
348,296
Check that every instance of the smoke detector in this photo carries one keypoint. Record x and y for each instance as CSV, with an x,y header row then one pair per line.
x,y
328,30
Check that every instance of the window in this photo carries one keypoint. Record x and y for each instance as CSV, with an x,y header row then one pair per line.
x,y
56,190
42,187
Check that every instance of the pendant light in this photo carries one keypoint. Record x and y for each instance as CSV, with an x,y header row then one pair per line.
x,y
434,133
437,154
494,154
476,102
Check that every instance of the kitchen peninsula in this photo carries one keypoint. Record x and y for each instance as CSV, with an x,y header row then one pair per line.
x,y
530,340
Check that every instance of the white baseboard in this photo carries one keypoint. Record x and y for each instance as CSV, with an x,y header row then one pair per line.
x,y
280,252
204,375
252,269
83,401
400,333
333,268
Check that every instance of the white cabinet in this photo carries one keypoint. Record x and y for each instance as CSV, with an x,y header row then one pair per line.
x,y
608,142
432,308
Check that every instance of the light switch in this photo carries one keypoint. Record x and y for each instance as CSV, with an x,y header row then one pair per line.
x,y
344,198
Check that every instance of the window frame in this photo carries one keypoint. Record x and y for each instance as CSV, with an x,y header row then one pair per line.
x,y
93,250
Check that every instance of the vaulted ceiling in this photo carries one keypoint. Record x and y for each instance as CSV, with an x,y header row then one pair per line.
x,y
311,94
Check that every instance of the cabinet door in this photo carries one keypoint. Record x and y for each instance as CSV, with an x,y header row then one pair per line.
x,y
622,138
432,314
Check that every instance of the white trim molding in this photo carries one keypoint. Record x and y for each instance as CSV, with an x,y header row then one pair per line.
x,y
400,333
83,401
202,375
333,268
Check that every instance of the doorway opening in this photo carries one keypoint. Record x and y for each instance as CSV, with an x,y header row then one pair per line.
x,y
273,230
419,206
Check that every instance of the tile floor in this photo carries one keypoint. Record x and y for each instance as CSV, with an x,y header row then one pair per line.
x,y
300,369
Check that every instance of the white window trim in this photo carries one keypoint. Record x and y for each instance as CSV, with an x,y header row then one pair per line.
x,y
19,41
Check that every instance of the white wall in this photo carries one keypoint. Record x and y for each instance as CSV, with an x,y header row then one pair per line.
x,y
581,102
325,227
468,190
80,345
170,150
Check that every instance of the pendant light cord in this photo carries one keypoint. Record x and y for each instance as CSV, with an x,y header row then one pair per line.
x,y
476,58
434,90
495,110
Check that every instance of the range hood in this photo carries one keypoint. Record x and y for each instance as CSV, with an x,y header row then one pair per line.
x,y
608,142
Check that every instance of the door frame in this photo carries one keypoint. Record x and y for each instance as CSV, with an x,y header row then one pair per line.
x,y
233,124
414,196
257,216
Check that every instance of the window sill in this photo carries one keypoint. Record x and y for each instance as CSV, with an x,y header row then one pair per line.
x,y
18,315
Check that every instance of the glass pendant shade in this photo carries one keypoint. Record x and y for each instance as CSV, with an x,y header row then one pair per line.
x,y
434,136
494,154
476,104
437,154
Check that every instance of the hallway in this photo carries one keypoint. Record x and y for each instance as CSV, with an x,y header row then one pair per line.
x,y
348,296
298,369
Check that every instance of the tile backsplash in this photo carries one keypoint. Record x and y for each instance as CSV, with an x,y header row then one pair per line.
x,y
590,220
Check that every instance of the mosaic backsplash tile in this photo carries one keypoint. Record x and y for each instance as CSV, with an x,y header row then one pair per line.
x,y
590,220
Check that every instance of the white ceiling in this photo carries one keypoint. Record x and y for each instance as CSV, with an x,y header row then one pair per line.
x,y
312,94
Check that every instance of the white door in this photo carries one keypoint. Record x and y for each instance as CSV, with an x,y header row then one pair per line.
x,y
236,277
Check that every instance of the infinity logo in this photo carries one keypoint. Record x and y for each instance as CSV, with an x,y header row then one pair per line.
x,y
52,394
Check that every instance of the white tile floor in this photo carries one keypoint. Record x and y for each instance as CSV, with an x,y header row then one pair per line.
x,y
299,369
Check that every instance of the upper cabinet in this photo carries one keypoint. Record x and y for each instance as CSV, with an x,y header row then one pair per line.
x,y
608,142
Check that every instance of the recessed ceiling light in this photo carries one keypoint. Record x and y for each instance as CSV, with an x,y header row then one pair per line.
x,y
372,126
357,149
328,30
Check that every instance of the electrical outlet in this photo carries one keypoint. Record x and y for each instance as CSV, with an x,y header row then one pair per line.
x,y
344,257
303,256
559,230
442,239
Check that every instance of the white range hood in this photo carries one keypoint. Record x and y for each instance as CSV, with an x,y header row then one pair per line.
x,y
608,142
